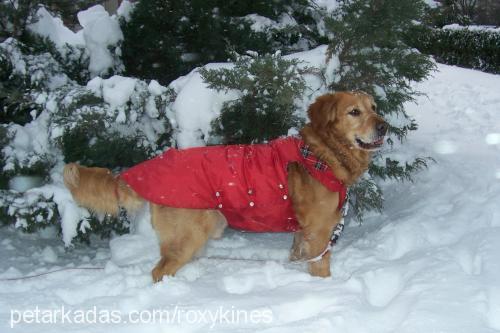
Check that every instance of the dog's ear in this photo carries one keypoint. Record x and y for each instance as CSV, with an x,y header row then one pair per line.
x,y
322,111
71,175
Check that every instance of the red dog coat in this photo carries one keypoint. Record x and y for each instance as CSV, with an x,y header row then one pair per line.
x,y
247,183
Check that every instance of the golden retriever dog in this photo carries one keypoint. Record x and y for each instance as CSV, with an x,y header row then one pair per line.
x,y
343,132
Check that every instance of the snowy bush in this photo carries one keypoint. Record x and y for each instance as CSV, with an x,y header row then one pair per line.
x,y
96,46
15,16
64,97
15,105
166,39
268,87
48,118
30,212
115,122
97,114
28,78
105,108
471,47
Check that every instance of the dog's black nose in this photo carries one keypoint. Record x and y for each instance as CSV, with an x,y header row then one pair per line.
x,y
382,128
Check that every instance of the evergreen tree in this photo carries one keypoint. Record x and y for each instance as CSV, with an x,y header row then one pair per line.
x,y
269,87
16,15
165,39
61,119
367,36
15,105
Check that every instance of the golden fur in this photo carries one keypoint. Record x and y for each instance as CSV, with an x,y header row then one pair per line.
x,y
343,131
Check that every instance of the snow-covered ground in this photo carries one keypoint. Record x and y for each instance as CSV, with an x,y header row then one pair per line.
x,y
429,263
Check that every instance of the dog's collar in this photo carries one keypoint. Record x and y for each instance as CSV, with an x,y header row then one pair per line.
x,y
311,159
320,170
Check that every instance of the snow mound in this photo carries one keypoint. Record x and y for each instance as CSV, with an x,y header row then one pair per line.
x,y
54,29
100,32
100,35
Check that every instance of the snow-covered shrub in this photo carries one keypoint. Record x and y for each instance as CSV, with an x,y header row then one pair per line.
x,y
28,78
74,59
3,141
467,46
94,50
268,87
114,122
104,48
31,212
166,39
15,16
101,226
15,104
36,210
50,112
95,116
367,38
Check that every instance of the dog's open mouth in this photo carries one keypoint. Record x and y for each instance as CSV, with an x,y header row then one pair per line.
x,y
372,145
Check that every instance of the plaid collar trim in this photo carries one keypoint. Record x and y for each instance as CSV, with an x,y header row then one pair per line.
x,y
311,159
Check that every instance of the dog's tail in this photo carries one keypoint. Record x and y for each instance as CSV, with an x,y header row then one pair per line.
x,y
99,190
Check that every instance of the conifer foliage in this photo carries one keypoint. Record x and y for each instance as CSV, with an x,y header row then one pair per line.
x,y
368,37
167,38
47,119
55,107
269,87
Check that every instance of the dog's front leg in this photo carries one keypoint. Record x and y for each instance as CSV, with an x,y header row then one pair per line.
x,y
317,213
298,250
321,267
308,244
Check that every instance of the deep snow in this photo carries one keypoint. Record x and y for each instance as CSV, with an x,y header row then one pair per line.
x,y
429,263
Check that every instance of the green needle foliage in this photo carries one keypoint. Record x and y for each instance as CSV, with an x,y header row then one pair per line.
x,y
165,39
268,87
368,37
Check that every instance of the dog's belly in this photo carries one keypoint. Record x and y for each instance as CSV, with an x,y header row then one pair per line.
x,y
277,218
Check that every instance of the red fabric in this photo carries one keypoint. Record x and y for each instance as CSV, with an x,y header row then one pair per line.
x,y
247,183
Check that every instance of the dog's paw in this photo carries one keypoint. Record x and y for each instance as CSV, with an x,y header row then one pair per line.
x,y
319,271
157,274
299,253
321,268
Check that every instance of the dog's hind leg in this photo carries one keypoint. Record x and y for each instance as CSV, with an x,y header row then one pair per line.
x,y
182,233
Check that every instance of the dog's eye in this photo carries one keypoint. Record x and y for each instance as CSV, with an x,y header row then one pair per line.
x,y
355,112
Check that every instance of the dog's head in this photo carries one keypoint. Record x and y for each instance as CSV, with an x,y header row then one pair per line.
x,y
351,115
